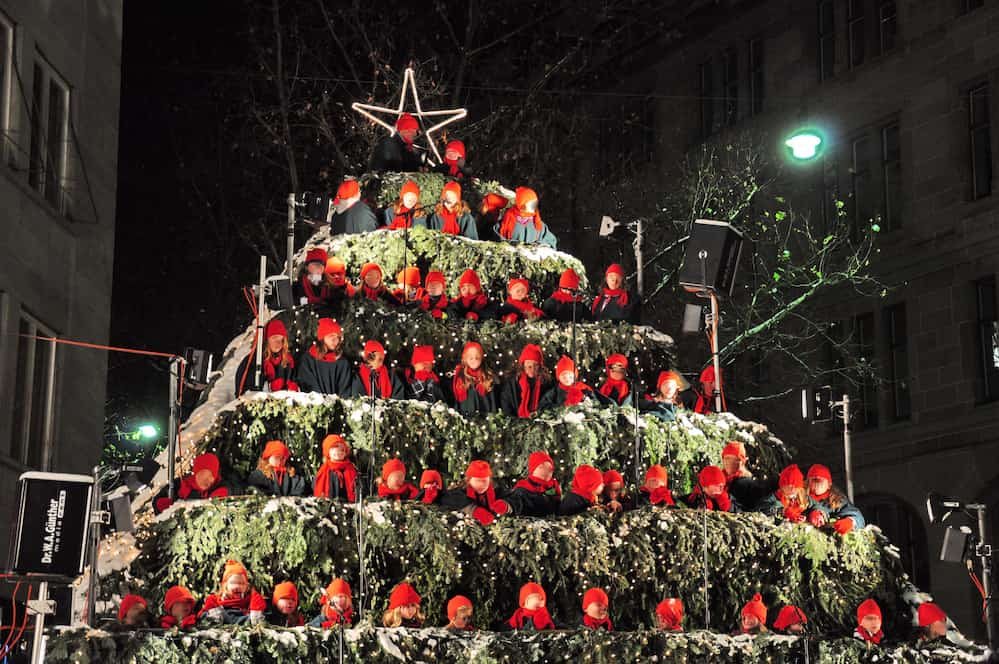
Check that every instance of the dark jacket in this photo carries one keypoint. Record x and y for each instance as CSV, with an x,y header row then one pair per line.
x,y
428,390
510,394
457,310
362,390
529,498
316,374
393,154
358,218
772,506
465,221
291,484
184,488
747,492
845,510
562,311
556,396
573,503
284,376
611,308
528,234
665,412
278,619
475,404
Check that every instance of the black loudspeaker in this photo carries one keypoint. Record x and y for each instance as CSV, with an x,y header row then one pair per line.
x,y
53,518
313,206
955,544
279,295
720,246
198,365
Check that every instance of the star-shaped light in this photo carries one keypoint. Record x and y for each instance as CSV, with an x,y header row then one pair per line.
x,y
409,83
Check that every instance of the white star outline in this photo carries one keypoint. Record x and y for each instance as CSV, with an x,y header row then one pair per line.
x,y
409,83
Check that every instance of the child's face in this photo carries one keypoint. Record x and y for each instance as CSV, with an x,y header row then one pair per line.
x,y
462,617
452,155
789,491
662,623
435,289
614,490
408,135
796,628
617,371
468,290
237,585
450,198
567,378
276,460
819,485
332,341
409,199
373,278
286,605
337,278
479,484
409,611
937,629
531,369
275,343
204,479
410,291
714,490
653,483
315,268
473,358
430,483
596,610
613,280
136,615
518,292
543,471
375,360
731,464
181,610
534,601
599,490
749,622
668,388
341,603
396,480
338,453
871,623
424,366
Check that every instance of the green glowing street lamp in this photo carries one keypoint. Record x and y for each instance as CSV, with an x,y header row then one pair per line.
x,y
804,144
147,431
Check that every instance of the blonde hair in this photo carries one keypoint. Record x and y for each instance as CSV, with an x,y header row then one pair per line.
x,y
285,352
265,467
459,209
393,617
487,377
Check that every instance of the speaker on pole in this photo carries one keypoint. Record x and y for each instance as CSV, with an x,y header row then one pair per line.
x,y
711,258
52,524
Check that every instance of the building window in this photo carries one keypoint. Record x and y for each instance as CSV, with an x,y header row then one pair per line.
x,y
863,338
49,133
988,338
971,5
903,526
887,26
827,40
855,32
891,166
6,76
981,141
860,176
706,81
756,76
730,86
898,361
33,394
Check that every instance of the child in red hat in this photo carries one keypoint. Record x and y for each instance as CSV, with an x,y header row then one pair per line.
x,y
372,286
669,615
284,606
452,216
932,622
705,404
664,403
409,292
745,491
454,161
614,302
278,371
790,500
179,606
843,516
337,606
431,484
405,212
337,477
471,303
532,613
236,601
615,497
374,378
566,298
435,301
869,623
655,491
274,476
311,286
616,386
393,485
538,494
323,368
397,151
203,483
587,485
459,614
568,390
490,212
734,458
521,395
791,620
522,221
478,497
518,306
404,608
340,289
350,214
595,610
753,618
711,492
473,384
422,384
133,613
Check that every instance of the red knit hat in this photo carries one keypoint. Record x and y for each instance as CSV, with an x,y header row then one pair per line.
x,y
657,472
790,615
791,476
456,603
409,187
529,589
493,202
435,276
177,594
335,265
469,346
518,282
127,602
736,449
478,470
275,447
617,358
711,475
569,279
347,189
615,268
206,461
595,595
670,610
422,354
668,375
372,346
275,328
368,267
431,476
708,374
536,459
336,587
523,196
565,364
533,353
328,326
331,441
457,146
611,476
406,122
586,479
285,590
470,277
409,276
452,187
392,466
403,595
930,613
756,607
819,471
232,568
868,608
316,255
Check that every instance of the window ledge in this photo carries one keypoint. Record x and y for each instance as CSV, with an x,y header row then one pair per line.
x,y
15,178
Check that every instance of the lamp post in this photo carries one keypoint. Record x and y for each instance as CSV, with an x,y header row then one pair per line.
x,y
804,144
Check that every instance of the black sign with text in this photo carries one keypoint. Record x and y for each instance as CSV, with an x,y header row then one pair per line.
x,y
53,517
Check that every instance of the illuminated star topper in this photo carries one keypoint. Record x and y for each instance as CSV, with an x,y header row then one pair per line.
x,y
409,83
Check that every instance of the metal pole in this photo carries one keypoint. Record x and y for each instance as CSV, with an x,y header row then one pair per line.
x,y
714,352
639,260
847,451
175,378
291,235
572,343
260,322
984,552
38,642
95,536
707,610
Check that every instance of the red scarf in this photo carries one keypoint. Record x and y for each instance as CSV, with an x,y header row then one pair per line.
x,y
719,503
384,382
328,356
793,511
609,294
251,601
166,622
311,294
439,306
512,217
461,387
421,376
344,470
540,617
565,298
875,638
525,308
450,218
334,617
403,218
660,496
188,488
272,363
534,485
705,404
400,296
475,303
529,395
279,473
574,393
373,293
593,623
406,492
452,169
610,386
